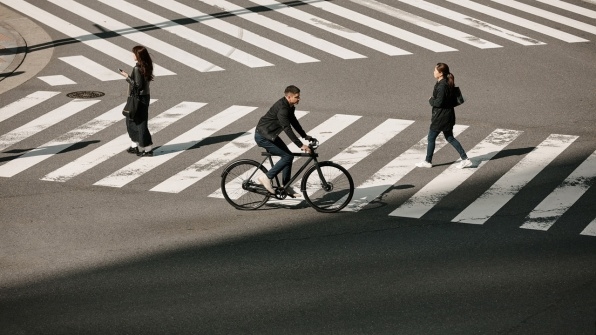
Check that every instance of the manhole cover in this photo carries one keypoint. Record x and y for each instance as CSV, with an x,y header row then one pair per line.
x,y
85,94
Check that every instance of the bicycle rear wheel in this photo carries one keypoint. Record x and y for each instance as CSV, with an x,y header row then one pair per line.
x,y
332,194
240,189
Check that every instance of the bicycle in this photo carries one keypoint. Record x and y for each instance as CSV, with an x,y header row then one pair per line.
x,y
326,186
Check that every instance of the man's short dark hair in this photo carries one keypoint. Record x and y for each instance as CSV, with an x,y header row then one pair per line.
x,y
292,89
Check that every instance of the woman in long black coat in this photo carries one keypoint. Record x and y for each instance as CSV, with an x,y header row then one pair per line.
x,y
443,116
139,80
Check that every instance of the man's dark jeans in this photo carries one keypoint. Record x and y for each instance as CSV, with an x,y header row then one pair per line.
x,y
430,148
277,148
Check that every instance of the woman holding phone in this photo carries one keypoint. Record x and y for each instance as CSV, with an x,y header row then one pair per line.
x,y
139,80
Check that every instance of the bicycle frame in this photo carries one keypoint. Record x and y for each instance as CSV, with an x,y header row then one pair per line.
x,y
311,157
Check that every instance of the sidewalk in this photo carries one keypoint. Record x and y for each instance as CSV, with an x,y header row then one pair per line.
x,y
18,34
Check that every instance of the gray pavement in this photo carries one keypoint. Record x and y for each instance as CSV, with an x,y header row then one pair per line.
x,y
19,58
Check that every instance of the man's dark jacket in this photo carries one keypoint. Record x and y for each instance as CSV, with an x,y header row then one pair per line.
x,y
280,117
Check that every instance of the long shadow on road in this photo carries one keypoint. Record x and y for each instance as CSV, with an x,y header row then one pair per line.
x,y
362,276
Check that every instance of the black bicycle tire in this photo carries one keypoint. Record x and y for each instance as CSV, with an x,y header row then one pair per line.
x,y
314,204
229,171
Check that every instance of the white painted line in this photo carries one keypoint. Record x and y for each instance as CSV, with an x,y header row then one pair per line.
x,y
571,8
199,170
61,143
322,132
549,15
563,197
514,180
138,37
427,24
175,147
57,80
92,68
188,34
363,147
43,122
120,143
590,230
501,15
79,34
335,28
391,173
433,192
381,26
297,35
236,32
473,22
25,103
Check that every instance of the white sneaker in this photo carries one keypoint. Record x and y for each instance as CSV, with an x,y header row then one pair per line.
x,y
424,164
292,192
464,164
266,182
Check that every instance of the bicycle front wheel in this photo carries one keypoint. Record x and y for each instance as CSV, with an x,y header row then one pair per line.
x,y
330,190
240,187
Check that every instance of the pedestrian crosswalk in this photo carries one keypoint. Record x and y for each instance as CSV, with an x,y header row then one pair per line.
x,y
317,29
375,184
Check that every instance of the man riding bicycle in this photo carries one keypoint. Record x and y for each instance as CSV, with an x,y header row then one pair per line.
x,y
281,117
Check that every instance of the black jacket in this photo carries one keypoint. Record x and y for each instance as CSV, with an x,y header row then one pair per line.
x,y
443,113
280,117
136,80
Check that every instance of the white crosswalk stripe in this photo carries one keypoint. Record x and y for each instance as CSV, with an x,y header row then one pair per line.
x,y
507,187
430,195
138,37
80,35
189,34
175,147
473,22
321,24
501,15
322,133
235,31
590,230
549,15
428,24
25,103
92,68
115,146
45,121
563,197
197,171
365,146
61,143
449,181
381,26
391,173
283,28
336,28
570,7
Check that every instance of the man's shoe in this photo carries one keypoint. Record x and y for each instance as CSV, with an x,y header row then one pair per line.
x,y
464,164
132,150
292,192
266,182
145,154
424,164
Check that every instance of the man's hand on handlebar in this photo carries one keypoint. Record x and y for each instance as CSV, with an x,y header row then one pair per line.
x,y
305,148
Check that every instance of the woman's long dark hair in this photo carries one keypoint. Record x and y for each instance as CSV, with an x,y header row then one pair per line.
x,y
444,69
144,61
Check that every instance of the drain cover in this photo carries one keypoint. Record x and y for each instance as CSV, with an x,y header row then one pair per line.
x,y
85,94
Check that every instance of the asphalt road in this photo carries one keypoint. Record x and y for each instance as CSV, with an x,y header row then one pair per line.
x,y
83,258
